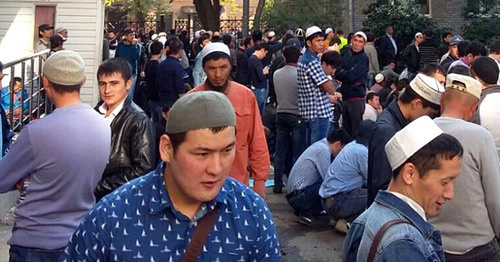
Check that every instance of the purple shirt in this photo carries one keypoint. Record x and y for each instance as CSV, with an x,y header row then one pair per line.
x,y
60,158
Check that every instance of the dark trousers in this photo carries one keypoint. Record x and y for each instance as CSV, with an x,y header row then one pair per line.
x,y
290,135
346,205
352,115
486,253
19,254
306,201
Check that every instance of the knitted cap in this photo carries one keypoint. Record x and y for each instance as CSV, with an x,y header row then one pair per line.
x,y
200,110
64,68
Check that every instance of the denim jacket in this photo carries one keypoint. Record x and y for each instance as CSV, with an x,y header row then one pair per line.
x,y
415,241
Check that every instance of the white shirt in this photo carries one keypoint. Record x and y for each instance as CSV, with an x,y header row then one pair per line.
x,y
414,205
104,108
370,113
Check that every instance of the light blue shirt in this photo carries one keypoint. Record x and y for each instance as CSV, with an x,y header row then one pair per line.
x,y
311,166
347,172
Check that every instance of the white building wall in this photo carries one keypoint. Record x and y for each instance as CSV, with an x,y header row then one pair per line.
x,y
84,20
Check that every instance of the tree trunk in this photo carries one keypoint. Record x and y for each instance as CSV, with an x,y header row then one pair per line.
x,y
258,15
209,13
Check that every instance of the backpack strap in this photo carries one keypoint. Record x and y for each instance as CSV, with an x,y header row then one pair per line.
x,y
200,236
380,234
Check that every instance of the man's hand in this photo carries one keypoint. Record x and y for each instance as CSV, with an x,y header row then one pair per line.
x,y
260,188
135,41
265,71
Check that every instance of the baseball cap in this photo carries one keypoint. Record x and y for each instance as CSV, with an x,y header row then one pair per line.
x,y
465,84
427,87
44,27
214,47
456,39
312,30
64,68
410,139
199,110
293,42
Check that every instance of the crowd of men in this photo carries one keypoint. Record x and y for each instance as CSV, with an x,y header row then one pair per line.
x,y
159,169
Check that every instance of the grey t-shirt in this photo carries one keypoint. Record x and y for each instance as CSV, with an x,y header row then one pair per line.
x,y
60,158
285,86
472,217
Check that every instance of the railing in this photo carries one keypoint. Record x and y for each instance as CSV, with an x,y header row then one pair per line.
x,y
29,69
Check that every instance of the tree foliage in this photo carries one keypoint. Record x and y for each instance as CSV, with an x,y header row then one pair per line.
x,y
406,21
291,14
139,10
483,19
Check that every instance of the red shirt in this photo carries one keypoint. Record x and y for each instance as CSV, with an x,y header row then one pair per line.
x,y
251,146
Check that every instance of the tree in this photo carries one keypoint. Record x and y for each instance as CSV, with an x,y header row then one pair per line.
x,y
483,18
290,14
406,20
258,14
209,13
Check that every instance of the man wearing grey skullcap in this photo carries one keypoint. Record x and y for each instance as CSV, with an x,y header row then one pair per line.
x,y
252,152
424,163
63,156
159,215
470,223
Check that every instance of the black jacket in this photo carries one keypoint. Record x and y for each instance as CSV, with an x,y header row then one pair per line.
x,y
132,149
389,122
412,58
353,74
386,51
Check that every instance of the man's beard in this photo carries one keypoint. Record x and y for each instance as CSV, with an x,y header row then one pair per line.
x,y
217,88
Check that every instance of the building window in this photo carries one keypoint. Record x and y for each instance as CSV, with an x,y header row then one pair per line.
x,y
425,6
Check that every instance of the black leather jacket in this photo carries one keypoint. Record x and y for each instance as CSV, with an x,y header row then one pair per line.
x,y
132,149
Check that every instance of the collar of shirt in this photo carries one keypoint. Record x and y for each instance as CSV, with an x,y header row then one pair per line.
x,y
104,108
311,54
160,200
414,205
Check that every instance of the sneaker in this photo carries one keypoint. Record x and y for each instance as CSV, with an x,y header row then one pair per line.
x,y
342,226
278,189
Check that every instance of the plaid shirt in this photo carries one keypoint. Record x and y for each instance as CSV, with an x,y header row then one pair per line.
x,y
313,101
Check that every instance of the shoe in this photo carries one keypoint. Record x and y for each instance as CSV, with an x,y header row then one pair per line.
x,y
314,221
278,189
342,226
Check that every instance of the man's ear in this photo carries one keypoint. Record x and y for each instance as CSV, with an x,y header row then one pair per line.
x,y
409,173
46,85
128,84
166,149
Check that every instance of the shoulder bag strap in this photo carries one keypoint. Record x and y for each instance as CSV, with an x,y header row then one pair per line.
x,y
200,236
380,234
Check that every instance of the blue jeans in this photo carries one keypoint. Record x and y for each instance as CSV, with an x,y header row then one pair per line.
x,y
18,254
289,128
261,97
316,130
306,201
346,205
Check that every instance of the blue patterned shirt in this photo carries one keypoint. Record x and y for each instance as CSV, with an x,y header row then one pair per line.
x,y
138,222
313,101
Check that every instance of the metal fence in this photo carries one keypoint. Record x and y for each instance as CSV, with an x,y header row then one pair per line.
x,y
29,102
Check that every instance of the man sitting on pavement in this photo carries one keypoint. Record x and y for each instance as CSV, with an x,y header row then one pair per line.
x,y
132,145
167,215
470,223
343,191
424,163
372,107
307,175
56,162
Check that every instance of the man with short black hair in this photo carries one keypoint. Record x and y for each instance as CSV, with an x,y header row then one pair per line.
x,y
252,154
443,47
424,163
187,209
314,87
198,75
468,54
421,97
130,50
372,106
428,49
388,48
470,223
258,75
485,71
132,144
170,74
44,34
307,175
495,54
289,124
63,156
150,71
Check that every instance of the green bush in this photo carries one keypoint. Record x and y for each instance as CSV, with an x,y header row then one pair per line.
x,y
482,27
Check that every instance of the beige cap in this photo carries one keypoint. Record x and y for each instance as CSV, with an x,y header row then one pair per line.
x,y
427,87
64,68
464,84
410,139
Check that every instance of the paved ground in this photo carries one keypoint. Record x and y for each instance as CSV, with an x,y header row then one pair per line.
x,y
298,242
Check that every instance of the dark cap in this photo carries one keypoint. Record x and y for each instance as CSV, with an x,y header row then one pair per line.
x,y
44,27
